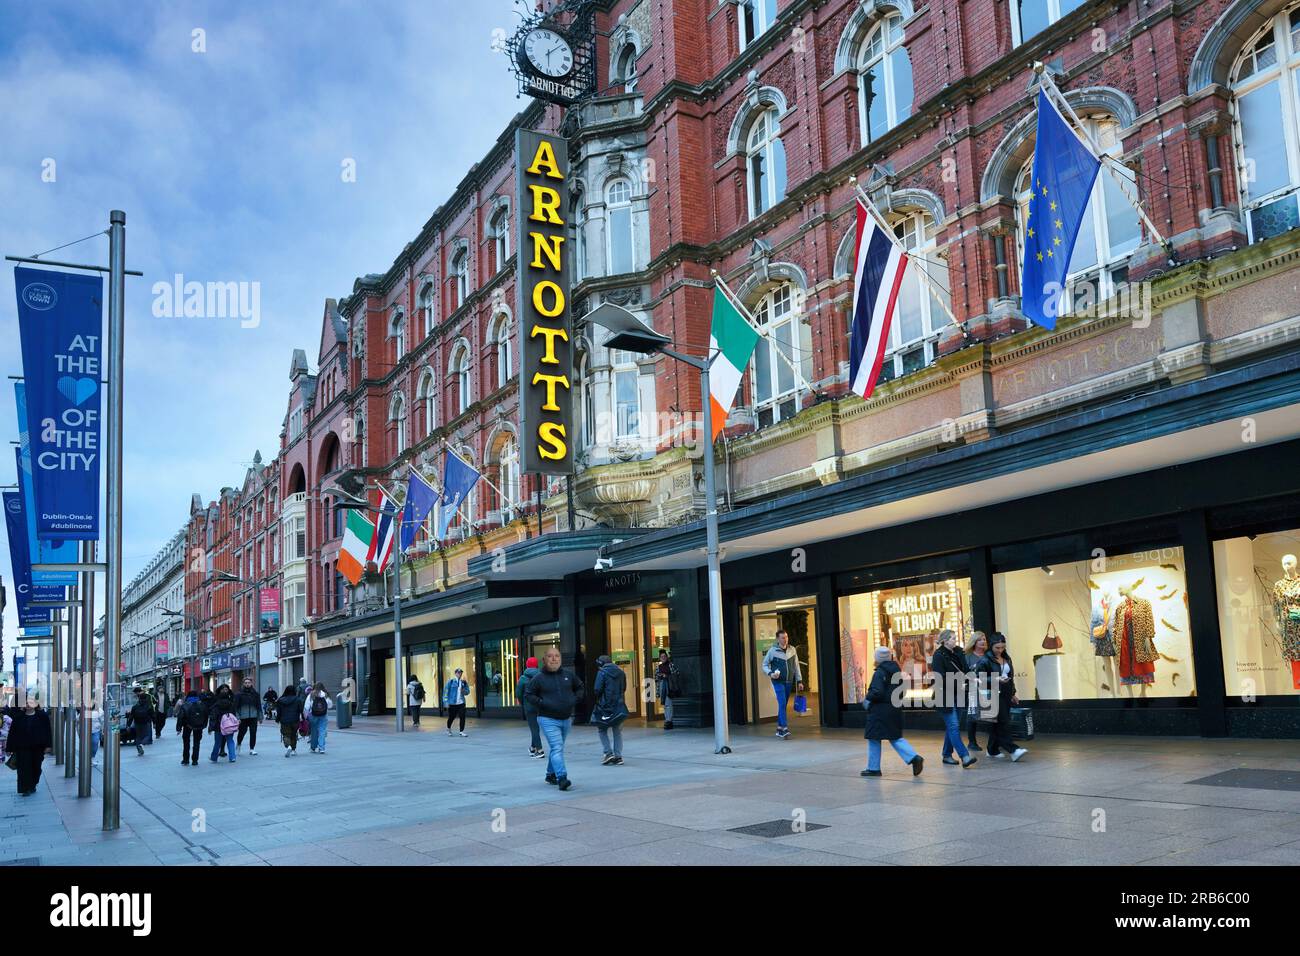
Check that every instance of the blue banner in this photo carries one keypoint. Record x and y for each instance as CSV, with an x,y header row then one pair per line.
x,y
60,319
41,552
420,499
20,562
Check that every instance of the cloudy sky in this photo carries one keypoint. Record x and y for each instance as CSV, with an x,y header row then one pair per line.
x,y
230,164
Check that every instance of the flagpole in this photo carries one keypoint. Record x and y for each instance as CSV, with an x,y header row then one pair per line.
x,y
1107,161
763,334
920,270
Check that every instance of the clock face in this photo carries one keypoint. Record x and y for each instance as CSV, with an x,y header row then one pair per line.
x,y
548,52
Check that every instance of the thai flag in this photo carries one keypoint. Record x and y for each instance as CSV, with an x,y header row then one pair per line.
x,y
879,262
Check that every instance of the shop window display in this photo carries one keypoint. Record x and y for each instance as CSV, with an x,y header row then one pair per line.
x,y
1107,627
909,620
1259,613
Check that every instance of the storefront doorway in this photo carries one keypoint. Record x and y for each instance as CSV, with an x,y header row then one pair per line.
x,y
636,634
761,620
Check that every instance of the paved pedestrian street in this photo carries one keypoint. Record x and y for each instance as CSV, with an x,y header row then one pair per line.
x,y
428,799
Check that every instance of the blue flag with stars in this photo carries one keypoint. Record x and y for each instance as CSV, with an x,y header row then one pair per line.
x,y
458,479
1064,171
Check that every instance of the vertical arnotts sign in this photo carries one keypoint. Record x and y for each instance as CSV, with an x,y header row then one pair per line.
x,y
542,278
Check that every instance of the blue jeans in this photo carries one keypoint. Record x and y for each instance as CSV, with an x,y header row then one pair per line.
x,y
782,695
94,744
220,744
901,747
952,734
555,732
318,725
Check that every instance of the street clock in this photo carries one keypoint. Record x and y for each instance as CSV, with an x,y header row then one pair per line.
x,y
553,54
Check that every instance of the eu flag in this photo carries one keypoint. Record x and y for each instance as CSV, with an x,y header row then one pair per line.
x,y
1064,171
420,499
458,479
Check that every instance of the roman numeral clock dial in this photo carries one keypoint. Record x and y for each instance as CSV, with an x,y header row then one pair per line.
x,y
548,53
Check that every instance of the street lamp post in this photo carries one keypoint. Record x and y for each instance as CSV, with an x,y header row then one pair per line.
x,y
257,595
633,335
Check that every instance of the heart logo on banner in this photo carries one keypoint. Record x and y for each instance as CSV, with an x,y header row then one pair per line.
x,y
77,390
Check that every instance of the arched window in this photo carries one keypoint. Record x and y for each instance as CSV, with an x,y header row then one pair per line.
x,y
460,278
505,367
508,475
1031,17
625,67
786,345
427,397
425,304
1266,97
397,332
756,16
578,236
1109,233
919,316
460,378
588,401
766,163
618,228
397,416
500,227
884,79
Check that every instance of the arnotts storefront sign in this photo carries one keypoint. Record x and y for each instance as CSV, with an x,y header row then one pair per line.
x,y
546,371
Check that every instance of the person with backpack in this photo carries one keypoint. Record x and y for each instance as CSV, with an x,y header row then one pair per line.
x,y
414,699
531,670
781,664
318,706
191,720
610,710
454,697
667,685
555,692
223,723
268,701
885,716
248,708
288,711
948,670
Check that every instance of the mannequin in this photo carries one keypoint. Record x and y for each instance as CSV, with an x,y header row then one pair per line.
x,y
1286,605
1133,630
1103,644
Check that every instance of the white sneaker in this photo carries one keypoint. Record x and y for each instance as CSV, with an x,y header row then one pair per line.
x,y
449,733
252,752
463,734
288,751
1019,752
999,755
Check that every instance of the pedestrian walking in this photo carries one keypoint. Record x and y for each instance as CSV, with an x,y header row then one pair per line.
x,y
611,709
29,740
223,723
531,670
454,696
1001,674
248,708
975,651
317,707
885,716
288,711
96,732
555,692
414,699
948,669
5,722
268,701
668,683
160,714
193,718
140,717
781,664
178,711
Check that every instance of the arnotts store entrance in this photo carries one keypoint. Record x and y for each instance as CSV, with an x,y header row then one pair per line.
x,y
635,636
761,621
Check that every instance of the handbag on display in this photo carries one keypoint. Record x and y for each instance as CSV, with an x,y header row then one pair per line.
x,y
1052,641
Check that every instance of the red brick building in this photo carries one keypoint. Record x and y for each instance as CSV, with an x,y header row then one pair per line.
x,y
723,137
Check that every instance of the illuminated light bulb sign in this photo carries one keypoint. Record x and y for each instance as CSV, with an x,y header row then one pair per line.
x,y
545,326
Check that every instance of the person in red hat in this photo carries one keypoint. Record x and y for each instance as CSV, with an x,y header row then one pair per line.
x,y
531,670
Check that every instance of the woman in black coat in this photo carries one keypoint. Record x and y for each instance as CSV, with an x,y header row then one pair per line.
x,y
1000,672
948,667
885,716
29,741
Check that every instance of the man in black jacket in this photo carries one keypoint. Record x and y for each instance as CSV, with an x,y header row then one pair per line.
x,y
248,708
193,718
554,693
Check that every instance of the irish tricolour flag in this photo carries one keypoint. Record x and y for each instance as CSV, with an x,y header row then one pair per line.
x,y
358,532
734,339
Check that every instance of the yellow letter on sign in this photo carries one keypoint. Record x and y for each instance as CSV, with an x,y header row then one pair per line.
x,y
551,381
552,433
548,358
546,205
544,161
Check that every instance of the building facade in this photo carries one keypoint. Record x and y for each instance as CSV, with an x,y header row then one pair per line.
x,y
1136,463
154,643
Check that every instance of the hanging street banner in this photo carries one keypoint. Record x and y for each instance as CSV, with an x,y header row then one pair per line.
x,y
41,552
20,561
269,612
60,320
545,325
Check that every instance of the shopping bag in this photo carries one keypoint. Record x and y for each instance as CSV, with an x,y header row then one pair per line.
x,y
801,705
